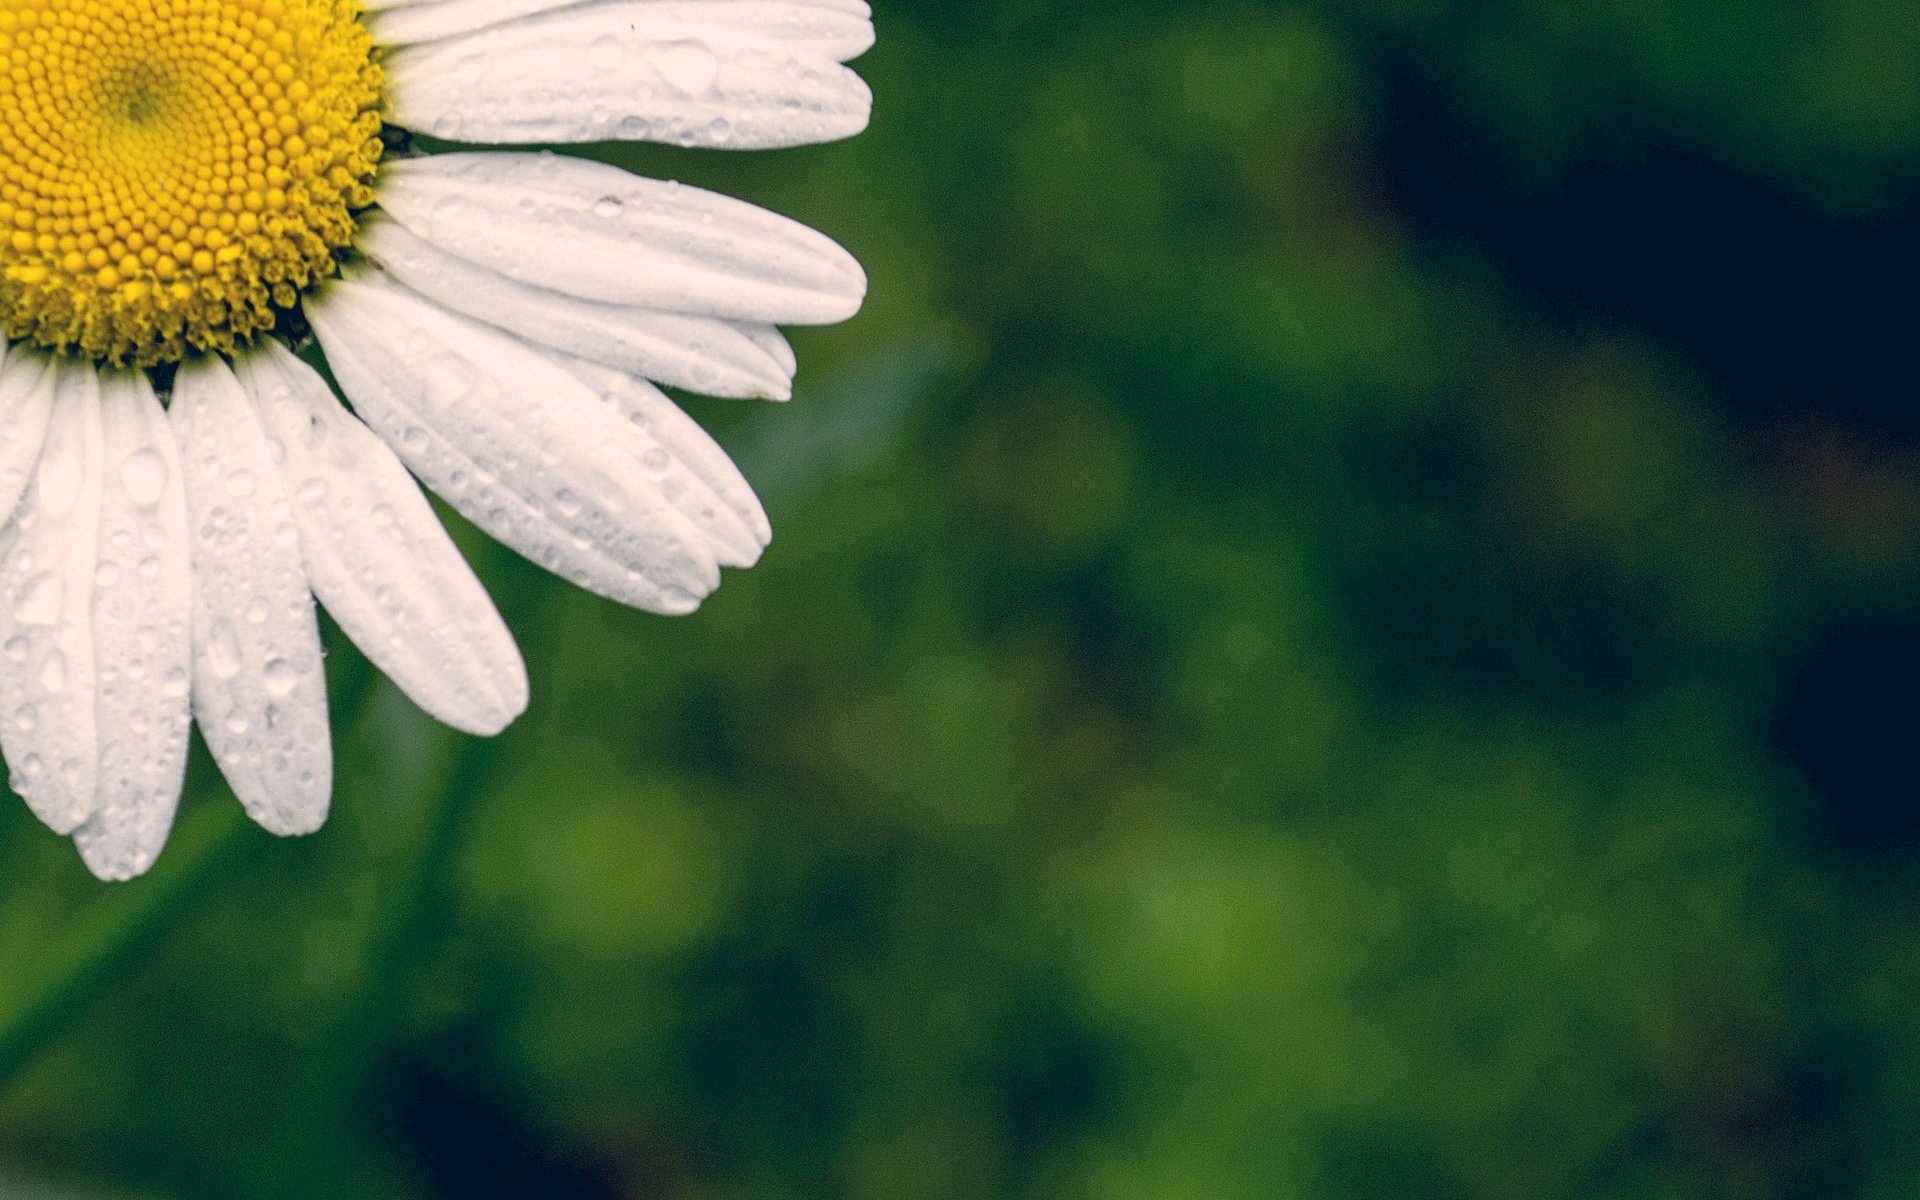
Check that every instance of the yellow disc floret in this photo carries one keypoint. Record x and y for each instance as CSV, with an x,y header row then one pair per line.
x,y
173,173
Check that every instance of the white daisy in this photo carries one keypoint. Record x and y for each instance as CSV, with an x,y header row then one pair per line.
x,y
197,182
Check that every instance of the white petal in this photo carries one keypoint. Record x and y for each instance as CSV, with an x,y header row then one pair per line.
x,y
511,440
777,348
426,20
142,647
839,29
698,353
259,692
591,230
377,556
744,75
26,402
47,720
669,461
711,489
479,14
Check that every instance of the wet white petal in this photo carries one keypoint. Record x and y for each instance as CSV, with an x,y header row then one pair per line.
x,y
408,21
840,29
775,343
142,647
745,74
377,556
594,231
711,492
258,689
26,402
47,721
490,12
698,353
158,565
513,441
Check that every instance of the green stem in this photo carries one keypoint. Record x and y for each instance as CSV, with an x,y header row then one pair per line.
x,y
119,935
417,898
134,919
417,901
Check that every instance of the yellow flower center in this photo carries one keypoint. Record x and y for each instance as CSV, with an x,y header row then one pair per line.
x,y
173,173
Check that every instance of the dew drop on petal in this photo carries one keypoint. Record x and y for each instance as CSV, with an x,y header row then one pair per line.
x,y
144,476
605,53
279,677
38,601
223,650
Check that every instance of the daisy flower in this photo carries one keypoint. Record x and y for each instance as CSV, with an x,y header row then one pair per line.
x,y
199,199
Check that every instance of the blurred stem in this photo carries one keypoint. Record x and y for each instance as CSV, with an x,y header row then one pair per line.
x,y
346,1051
134,919
417,901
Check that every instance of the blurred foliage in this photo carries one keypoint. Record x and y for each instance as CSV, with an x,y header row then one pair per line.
x,y
1342,625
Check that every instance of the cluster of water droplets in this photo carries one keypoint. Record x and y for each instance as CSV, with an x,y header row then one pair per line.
x,y
143,646
544,485
594,232
93,613
704,354
548,468
710,79
377,557
46,588
260,688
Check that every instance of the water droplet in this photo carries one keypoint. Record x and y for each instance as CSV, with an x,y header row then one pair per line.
x,y
223,649
605,53
62,470
279,677
38,600
688,66
144,477
53,673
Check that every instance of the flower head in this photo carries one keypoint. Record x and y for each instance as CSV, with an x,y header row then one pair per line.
x,y
193,185
177,173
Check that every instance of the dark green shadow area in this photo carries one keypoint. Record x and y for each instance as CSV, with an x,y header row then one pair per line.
x,y
1341,626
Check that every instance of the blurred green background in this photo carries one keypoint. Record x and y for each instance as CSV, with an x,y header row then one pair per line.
x,y
1343,625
